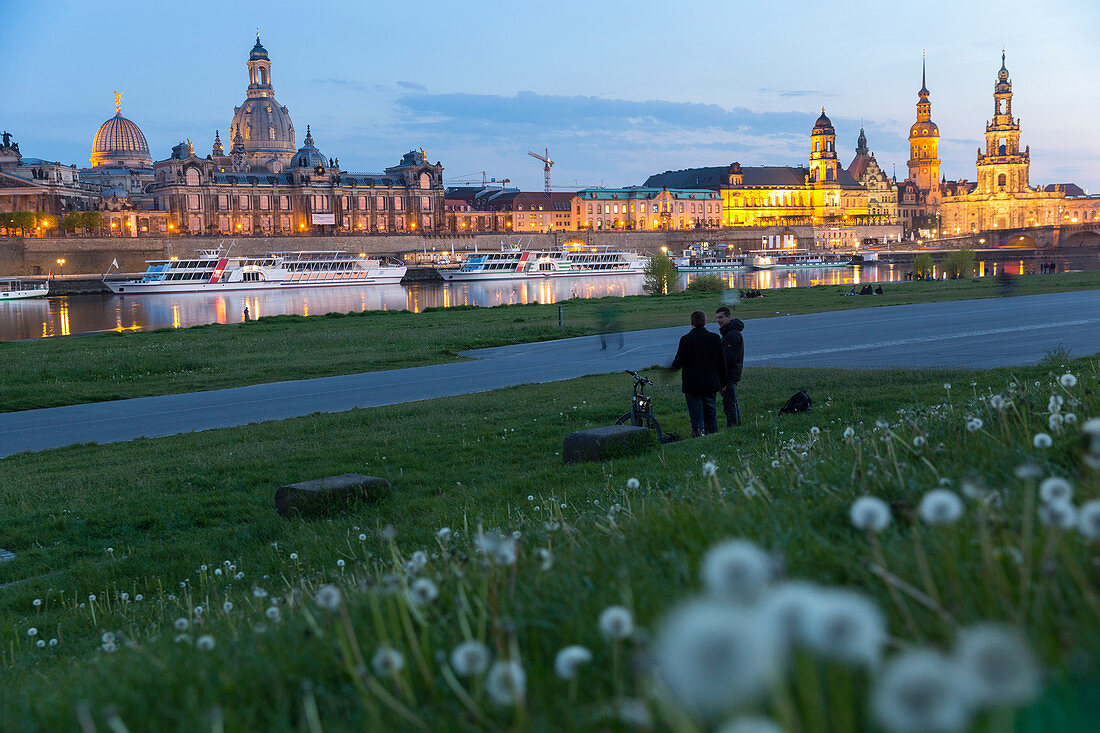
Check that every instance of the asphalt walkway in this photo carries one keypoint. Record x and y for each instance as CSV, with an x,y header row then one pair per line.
x,y
968,333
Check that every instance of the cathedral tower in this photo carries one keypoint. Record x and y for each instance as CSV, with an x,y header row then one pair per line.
x,y
924,142
261,128
823,163
1003,168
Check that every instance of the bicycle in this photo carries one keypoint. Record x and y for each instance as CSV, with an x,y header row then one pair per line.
x,y
641,408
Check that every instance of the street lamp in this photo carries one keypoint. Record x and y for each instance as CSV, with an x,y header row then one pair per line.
x,y
61,264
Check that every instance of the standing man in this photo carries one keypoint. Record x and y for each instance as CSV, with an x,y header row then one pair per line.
x,y
704,373
733,348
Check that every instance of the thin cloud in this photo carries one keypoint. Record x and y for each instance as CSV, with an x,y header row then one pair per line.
x,y
414,86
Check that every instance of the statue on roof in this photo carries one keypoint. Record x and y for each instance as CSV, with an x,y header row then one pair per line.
x,y
118,102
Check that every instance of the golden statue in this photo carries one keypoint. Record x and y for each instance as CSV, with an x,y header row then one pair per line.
x,y
118,102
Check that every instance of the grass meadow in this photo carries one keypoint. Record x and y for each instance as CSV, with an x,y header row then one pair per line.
x,y
110,366
726,583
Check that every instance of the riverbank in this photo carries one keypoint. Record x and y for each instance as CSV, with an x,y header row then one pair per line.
x,y
119,365
155,564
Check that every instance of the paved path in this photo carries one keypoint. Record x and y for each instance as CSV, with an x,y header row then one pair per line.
x,y
971,333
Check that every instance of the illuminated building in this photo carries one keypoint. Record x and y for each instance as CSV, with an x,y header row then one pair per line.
x,y
1003,197
882,194
646,208
821,192
267,186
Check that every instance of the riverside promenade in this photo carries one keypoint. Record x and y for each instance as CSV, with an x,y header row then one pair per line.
x,y
957,334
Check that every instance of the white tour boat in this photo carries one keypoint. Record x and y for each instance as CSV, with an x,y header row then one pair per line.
x,y
768,259
703,257
14,289
521,262
217,270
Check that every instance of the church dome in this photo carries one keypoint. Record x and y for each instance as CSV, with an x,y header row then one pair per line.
x,y
925,128
120,142
308,156
823,126
262,124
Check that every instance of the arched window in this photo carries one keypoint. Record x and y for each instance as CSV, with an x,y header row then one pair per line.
x,y
192,177
1002,180
425,181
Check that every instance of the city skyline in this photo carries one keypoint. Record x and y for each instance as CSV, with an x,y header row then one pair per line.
x,y
614,98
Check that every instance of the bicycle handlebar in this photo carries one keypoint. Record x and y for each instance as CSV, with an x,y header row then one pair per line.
x,y
638,377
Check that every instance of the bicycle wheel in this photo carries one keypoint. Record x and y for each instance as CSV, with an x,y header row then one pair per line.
x,y
648,421
624,419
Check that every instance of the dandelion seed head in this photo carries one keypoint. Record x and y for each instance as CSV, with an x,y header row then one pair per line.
x,y
710,468
998,666
1068,380
846,626
815,430
546,558
1069,418
506,683
1054,422
714,657
272,613
1028,472
109,646
294,556
470,658
445,534
1042,441
919,441
422,592
632,483
259,592
616,623
870,514
328,597
340,563
751,725
997,402
91,598
37,602
920,691
182,624
205,642
1055,488
974,424
849,433
32,631
108,637
53,642
940,506
227,606
1054,404
40,643
1088,520
736,570
139,598
387,661
569,661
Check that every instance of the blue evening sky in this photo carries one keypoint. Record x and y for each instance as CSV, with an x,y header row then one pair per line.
x,y
615,90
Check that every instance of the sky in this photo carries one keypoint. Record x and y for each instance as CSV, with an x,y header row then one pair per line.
x,y
616,91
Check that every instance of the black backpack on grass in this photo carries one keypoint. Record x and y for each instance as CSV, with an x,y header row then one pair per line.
x,y
799,402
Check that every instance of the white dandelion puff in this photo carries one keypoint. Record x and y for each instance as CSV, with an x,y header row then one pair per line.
x,y
1092,427
387,661
91,597
940,506
294,556
205,642
53,642
1068,380
710,468
546,558
444,534
632,483
569,661
422,592
998,665
328,597
815,430
1069,418
789,604
846,626
470,658
919,441
272,613
32,631
1054,404
997,402
506,682
1088,520
227,606
108,637
37,602
849,433
182,624
736,570
974,424
40,643
1058,514
362,537
775,464
259,592
920,692
1028,471
420,558
1042,441
870,514
616,623
1054,422
1055,488
715,657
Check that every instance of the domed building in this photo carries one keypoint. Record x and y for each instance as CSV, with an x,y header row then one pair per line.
x,y
261,131
119,143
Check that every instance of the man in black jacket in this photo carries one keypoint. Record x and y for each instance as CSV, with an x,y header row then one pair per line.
x,y
733,348
704,373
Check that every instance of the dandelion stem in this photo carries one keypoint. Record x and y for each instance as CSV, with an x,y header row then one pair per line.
x,y
921,598
922,563
462,695
1079,577
880,559
1029,535
394,704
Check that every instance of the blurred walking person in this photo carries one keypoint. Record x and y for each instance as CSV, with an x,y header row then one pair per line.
x,y
703,373
733,349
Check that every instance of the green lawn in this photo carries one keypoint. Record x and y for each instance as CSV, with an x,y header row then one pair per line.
x,y
51,372
175,519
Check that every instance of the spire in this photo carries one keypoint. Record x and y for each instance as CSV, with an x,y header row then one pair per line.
x,y
861,143
308,142
218,150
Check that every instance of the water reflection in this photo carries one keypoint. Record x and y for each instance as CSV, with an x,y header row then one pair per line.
x,y
64,315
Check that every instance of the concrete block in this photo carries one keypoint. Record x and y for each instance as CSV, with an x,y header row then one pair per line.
x,y
598,444
324,494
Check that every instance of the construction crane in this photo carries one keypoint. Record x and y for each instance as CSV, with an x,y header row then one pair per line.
x,y
547,165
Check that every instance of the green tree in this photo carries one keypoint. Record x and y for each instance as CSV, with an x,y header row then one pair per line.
x,y
72,221
922,265
21,220
707,284
660,275
959,263
91,220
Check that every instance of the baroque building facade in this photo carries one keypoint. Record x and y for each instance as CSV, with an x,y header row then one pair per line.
x,y
266,185
882,193
821,192
1003,196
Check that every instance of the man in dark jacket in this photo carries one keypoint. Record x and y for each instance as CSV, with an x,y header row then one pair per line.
x,y
733,348
704,373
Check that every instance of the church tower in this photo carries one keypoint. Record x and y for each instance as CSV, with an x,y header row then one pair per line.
x,y
823,163
924,143
1003,168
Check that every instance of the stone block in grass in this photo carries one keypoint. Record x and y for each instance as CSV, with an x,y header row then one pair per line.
x,y
613,441
331,493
